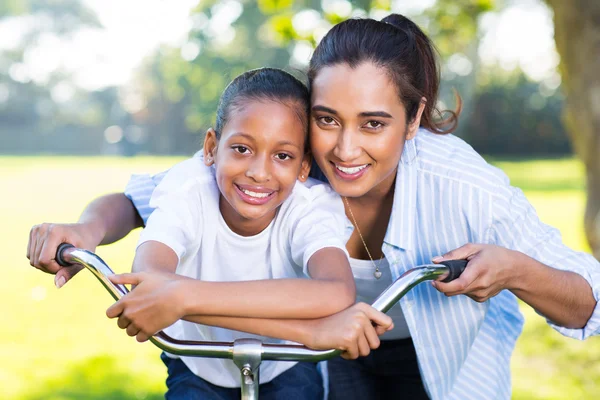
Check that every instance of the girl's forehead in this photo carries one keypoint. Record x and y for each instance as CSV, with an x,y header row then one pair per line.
x,y
365,86
266,119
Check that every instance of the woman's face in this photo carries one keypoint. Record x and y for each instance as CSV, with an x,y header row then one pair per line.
x,y
358,128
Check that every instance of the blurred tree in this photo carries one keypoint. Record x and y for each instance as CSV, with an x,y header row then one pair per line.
x,y
513,115
577,35
182,86
29,113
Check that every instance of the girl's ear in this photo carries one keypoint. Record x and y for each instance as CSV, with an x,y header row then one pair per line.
x,y
210,147
305,168
413,126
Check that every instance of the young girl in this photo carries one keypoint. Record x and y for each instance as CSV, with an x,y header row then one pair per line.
x,y
236,213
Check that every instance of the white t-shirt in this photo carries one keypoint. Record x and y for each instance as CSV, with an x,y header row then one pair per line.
x,y
188,220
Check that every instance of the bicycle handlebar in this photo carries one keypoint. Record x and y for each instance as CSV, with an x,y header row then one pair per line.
x,y
67,255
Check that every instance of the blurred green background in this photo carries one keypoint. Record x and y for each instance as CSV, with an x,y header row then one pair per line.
x,y
94,90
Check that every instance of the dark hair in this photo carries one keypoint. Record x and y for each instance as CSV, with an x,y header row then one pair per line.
x,y
398,45
262,84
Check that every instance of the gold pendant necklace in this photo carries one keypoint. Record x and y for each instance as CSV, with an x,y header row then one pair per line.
x,y
377,273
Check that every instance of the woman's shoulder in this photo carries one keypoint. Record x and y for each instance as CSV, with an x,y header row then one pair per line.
x,y
451,157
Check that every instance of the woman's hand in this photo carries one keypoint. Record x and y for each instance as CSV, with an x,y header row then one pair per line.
x,y
155,303
355,331
44,240
490,269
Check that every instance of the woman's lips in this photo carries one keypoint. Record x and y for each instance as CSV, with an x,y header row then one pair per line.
x,y
254,195
350,173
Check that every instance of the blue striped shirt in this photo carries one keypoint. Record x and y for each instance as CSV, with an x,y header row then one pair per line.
x,y
446,195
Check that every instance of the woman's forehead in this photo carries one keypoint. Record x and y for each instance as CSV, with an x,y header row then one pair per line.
x,y
365,86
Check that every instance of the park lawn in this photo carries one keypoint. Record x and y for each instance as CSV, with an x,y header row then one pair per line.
x,y
58,344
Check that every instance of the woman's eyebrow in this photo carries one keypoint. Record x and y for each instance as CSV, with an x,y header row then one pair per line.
x,y
324,109
382,114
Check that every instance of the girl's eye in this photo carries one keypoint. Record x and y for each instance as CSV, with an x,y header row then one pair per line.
x,y
241,149
374,124
283,156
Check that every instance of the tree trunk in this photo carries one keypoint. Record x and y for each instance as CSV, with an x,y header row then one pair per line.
x,y
577,35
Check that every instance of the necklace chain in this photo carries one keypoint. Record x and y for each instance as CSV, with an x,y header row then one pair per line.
x,y
377,272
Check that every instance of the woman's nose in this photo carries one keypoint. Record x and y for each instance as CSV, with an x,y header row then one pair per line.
x,y
347,147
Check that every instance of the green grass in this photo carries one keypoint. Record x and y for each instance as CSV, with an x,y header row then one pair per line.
x,y
57,344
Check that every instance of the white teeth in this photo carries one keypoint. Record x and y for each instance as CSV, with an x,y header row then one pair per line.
x,y
351,171
254,194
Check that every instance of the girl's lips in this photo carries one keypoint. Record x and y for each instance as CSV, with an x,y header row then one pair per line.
x,y
257,201
350,176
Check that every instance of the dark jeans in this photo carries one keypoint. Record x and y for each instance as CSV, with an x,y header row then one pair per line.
x,y
301,382
390,372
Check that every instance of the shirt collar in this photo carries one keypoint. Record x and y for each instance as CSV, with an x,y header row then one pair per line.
x,y
401,228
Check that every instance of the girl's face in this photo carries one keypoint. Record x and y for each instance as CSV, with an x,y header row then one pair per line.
x,y
358,128
258,159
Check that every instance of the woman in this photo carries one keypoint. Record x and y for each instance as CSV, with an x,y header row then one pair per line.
x,y
413,193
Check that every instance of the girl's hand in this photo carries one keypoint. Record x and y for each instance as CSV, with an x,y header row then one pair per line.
x,y
44,240
155,303
355,331
490,269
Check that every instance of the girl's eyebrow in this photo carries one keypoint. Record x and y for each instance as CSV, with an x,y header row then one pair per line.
x,y
381,114
251,138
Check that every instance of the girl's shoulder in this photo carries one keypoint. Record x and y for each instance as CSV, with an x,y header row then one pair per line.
x,y
312,197
188,173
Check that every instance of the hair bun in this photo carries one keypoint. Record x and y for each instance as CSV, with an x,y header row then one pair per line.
x,y
400,22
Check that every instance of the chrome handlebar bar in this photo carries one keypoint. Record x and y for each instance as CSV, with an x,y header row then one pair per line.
x,y
68,255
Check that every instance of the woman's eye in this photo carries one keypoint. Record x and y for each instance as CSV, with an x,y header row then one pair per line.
x,y
283,156
326,120
374,124
241,149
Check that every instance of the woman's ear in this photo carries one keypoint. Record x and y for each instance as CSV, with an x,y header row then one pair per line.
x,y
210,147
305,168
414,125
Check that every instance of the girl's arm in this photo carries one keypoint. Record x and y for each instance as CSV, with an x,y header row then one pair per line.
x,y
330,290
354,330
164,297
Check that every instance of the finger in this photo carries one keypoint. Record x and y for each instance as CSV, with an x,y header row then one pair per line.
x,y
372,337
123,322
64,274
39,243
351,352
32,245
460,285
142,337
378,317
134,278
132,330
31,234
115,310
363,346
461,253
48,252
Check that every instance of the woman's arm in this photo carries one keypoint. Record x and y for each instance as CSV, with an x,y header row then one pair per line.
x,y
564,297
528,258
105,220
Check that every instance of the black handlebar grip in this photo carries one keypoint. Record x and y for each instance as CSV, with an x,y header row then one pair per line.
x,y
455,269
59,254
